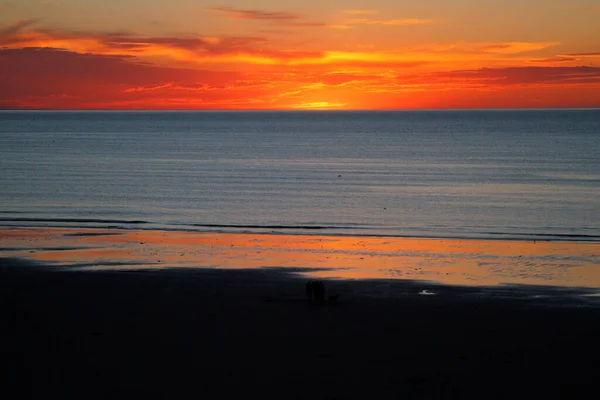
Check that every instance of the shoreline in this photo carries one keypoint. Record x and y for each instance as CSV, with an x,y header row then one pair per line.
x,y
451,262
326,232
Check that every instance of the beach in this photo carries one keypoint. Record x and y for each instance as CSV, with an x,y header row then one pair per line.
x,y
166,254
86,321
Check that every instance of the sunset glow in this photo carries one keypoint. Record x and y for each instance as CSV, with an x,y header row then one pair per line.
x,y
299,55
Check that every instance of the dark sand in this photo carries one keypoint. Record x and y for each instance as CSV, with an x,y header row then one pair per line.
x,y
241,334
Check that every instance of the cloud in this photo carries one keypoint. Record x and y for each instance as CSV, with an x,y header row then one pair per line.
x,y
286,18
486,48
511,47
254,50
406,21
555,60
360,12
47,78
211,45
17,27
360,18
310,24
44,77
53,78
344,78
45,68
584,55
198,50
523,76
149,88
123,42
237,13
31,63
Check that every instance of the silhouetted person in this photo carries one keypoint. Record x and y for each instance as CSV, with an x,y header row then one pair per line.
x,y
319,292
310,290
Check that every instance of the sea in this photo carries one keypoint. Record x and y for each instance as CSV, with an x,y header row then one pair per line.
x,y
482,174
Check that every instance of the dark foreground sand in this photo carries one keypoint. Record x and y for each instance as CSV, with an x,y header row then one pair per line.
x,y
250,334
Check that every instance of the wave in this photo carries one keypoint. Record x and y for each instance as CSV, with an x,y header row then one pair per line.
x,y
387,231
359,230
545,235
295,227
75,220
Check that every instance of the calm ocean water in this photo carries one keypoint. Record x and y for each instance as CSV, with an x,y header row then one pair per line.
x,y
482,174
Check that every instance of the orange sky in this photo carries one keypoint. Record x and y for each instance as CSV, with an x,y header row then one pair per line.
x,y
268,54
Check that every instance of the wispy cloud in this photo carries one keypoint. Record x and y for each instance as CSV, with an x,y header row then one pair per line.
x,y
514,47
279,17
360,12
555,60
345,78
505,48
17,26
510,76
237,13
293,19
363,17
52,78
405,21
596,54
201,50
149,88
254,50
51,68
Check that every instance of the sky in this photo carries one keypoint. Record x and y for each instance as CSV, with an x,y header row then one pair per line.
x,y
299,54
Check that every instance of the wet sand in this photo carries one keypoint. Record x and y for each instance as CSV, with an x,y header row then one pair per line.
x,y
231,333
446,261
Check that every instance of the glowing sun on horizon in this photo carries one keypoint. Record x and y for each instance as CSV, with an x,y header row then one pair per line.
x,y
319,105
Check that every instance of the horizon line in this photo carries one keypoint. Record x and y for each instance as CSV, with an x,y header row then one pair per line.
x,y
292,109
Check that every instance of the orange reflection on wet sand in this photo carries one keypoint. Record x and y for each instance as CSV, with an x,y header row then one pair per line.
x,y
450,261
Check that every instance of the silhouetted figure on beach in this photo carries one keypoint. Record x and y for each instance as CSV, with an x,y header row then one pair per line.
x,y
319,292
310,289
315,292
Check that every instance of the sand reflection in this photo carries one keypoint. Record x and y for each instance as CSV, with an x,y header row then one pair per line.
x,y
462,262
